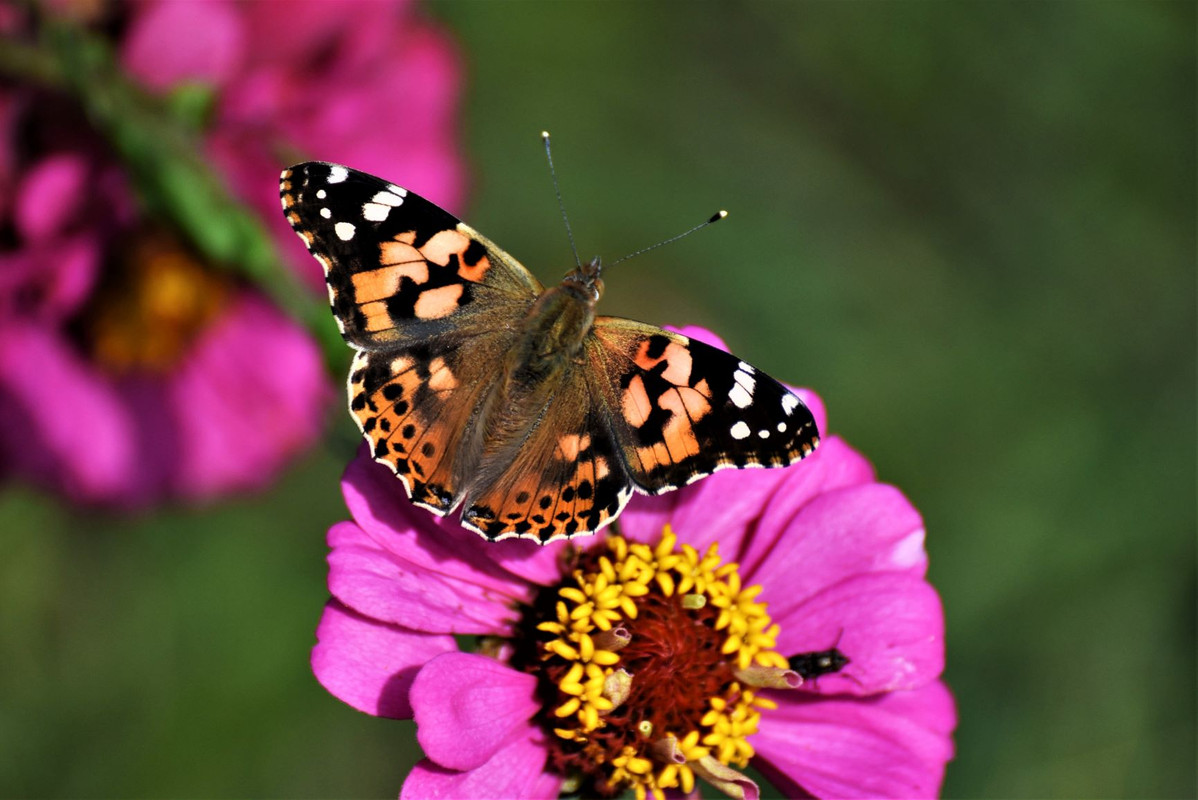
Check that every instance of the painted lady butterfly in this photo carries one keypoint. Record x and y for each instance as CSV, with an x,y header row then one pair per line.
x,y
477,386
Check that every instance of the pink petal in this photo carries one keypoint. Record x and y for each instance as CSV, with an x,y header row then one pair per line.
x,y
278,40
76,261
539,564
369,664
172,42
378,502
644,517
701,334
48,281
62,423
383,585
50,196
834,465
931,706
517,771
870,528
721,508
250,394
893,746
469,707
889,624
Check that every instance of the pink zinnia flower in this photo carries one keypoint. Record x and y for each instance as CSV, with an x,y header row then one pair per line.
x,y
130,369
650,658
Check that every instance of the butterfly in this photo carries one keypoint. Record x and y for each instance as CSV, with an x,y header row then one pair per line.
x,y
480,388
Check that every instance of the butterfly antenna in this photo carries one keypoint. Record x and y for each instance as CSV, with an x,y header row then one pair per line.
x,y
716,217
560,204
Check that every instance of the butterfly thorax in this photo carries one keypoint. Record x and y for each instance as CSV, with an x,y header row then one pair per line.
x,y
556,325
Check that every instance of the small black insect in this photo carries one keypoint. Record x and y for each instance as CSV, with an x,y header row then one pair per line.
x,y
812,665
818,662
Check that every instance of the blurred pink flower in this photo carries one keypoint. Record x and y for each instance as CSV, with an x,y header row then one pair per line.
x,y
130,370
539,707
369,84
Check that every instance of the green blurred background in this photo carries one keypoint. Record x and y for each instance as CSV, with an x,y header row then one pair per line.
x,y
970,227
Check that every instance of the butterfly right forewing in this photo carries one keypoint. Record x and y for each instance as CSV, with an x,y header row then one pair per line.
x,y
682,409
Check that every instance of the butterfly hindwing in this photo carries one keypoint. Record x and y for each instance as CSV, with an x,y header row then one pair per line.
x,y
683,409
416,406
567,478
400,270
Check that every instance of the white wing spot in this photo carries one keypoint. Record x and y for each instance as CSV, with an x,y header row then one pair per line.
x,y
338,174
375,212
388,198
742,390
764,434
399,190
781,427
324,212
321,194
739,431
789,402
344,230
740,396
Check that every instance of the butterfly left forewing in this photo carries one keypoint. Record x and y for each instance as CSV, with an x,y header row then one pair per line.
x,y
682,409
400,270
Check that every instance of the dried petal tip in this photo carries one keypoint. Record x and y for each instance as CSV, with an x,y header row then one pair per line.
x,y
769,677
726,779
617,686
613,640
666,751
694,602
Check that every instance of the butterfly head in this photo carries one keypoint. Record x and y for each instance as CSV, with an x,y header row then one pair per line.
x,y
584,281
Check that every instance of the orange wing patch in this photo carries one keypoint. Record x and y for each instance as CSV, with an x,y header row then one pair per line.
x,y
439,302
676,357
